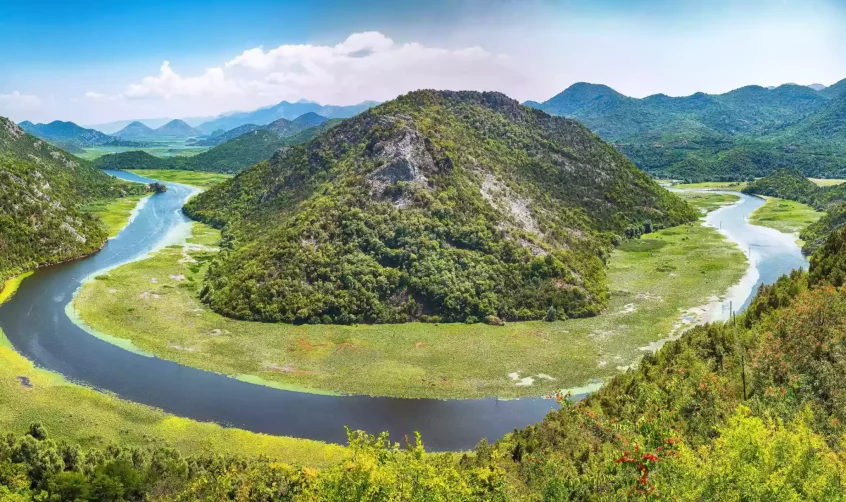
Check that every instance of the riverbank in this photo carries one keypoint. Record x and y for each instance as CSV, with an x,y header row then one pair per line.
x,y
116,214
88,418
655,282
785,216
196,179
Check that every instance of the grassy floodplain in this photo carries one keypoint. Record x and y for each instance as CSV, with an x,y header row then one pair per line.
x,y
115,214
193,178
713,185
90,418
825,182
159,148
655,281
785,216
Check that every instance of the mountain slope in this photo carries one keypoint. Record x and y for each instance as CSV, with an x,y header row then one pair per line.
x,y
217,139
283,110
41,188
437,205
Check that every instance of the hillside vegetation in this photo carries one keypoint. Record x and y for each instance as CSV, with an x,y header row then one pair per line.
x,y
71,137
435,206
42,191
745,133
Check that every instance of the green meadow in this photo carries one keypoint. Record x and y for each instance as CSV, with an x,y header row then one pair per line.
x,y
657,282
197,179
784,215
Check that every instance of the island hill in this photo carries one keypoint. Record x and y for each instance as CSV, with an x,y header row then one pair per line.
x,y
436,206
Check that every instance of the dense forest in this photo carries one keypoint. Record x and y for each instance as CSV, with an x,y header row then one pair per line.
x,y
745,133
793,185
229,157
751,409
42,189
437,206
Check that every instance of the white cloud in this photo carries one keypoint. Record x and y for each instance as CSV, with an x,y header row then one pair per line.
x,y
366,65
18,101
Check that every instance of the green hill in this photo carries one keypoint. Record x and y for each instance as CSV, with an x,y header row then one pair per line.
x,y
41,189
437,205
744,133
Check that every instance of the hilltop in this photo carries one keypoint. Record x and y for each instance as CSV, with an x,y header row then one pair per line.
x,y
437,205
176,129
744,133
135,130
42,189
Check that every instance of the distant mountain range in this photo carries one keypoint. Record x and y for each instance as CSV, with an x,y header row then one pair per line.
x,y
70,136
283,110
747,132
247,147
282,127
173,129
113,127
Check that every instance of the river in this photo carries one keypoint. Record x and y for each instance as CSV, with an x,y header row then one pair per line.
x,y
36,323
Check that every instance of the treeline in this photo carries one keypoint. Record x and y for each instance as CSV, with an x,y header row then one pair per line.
x,y
752,409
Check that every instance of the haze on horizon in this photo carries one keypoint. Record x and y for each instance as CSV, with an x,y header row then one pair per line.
x,y
110,62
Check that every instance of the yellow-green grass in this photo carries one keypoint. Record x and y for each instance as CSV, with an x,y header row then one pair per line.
x,y
654,280
90,418
824,182
784,215
115,213
194,178
713,185
709,201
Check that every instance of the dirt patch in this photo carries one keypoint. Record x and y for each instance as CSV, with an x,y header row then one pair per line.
x,y
25,382
178,277
419,345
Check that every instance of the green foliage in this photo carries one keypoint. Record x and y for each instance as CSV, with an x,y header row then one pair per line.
x,y
43,189
748,132
453,205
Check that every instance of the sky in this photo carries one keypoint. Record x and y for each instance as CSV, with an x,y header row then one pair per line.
x,y
95,61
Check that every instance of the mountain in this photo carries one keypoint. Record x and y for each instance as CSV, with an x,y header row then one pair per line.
x,y
283,110
135,130
41,190
742,133
447,206
817,87
176,129
309,119
224,136
113,127
228,157
67,135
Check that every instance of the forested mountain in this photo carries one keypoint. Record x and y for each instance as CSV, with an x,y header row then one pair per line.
x,y
41,188
283,110
224,136
437,205
69,136
229,157
135,130
747,132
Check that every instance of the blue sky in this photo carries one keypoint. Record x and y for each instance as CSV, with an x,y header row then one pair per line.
x,y
98,61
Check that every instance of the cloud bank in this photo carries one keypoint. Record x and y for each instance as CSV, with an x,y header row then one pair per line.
x,y
366,65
